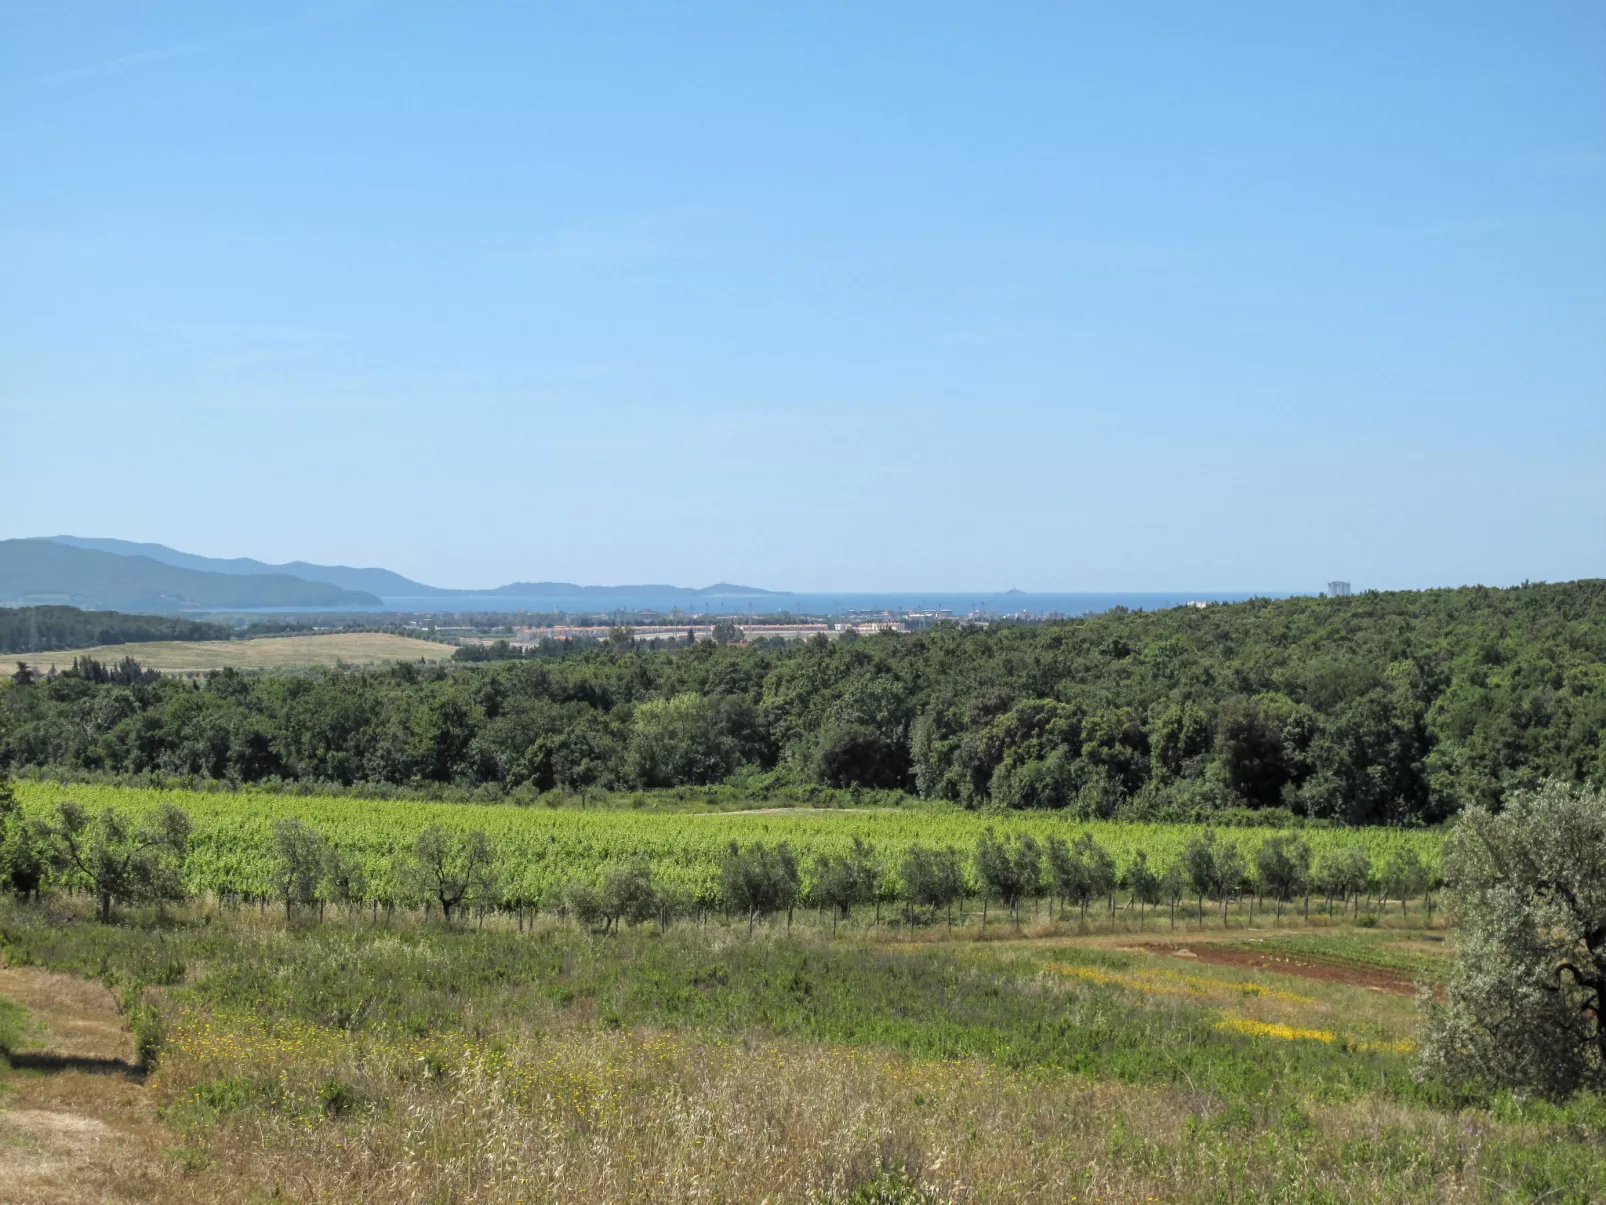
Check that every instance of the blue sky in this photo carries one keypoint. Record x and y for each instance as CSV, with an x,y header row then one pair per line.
x,y
826,296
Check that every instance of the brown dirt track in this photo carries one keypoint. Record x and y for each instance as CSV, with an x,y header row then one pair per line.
x,y
77,1123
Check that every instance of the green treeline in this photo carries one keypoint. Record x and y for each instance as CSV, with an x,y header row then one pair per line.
x,y
1381,708
46,629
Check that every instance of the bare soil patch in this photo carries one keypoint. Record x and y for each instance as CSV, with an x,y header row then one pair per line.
x,y
1285,964
80,1015
77,1123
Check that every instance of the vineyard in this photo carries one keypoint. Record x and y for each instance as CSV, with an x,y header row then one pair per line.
x,y
539,850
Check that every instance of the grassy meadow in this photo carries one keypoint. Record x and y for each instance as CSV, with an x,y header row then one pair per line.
x,y
267,652
370,1053
358,1061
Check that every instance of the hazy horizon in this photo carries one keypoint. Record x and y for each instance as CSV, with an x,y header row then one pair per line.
x,y
484,587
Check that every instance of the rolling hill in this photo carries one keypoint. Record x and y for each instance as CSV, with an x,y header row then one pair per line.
x,y
371,581
34,572
385,583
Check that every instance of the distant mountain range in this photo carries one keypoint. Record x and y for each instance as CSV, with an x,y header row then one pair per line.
x,y
33,572
369,581
127,576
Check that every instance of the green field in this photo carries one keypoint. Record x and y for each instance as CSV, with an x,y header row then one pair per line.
x,y
542,848
268,652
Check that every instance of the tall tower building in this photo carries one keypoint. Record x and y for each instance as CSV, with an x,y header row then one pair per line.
x,y
1337,589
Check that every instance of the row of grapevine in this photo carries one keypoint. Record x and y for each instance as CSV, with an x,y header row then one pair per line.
x,y
540,850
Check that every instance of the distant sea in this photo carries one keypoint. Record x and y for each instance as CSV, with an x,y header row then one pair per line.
x,y
1010,603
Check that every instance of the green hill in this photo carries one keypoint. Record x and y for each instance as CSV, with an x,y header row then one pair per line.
x,y
35,572
370,581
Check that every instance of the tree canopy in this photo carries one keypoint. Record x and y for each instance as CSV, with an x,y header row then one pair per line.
x,y
1526,1005
1379,708
46,629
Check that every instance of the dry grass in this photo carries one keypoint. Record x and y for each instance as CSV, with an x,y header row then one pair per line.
x,y
269,652
80,1016
76,1134
527,1098
598,1117
610,1118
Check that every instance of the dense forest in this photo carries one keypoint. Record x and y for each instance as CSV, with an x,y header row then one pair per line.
x,y
1381,708
44,629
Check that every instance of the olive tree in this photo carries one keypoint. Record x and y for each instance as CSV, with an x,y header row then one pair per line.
x,y
1029,860
1404,876
298,861
1344,873
628,895
344,879
454,869
24,852
1101,876
1082,871
1198,863
760,880
1146,886
1213,868
584,902
1011,872
933,878
845,881
1525,1005
1283,864
1230,872
119,862
1173,886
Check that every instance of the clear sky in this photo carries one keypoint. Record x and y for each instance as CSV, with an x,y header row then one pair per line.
x,y
813,296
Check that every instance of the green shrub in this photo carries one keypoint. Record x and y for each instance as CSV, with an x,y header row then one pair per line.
x,y
14,1025
149,1030
337,1098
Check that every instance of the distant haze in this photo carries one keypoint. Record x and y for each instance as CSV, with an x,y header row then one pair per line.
x,y
647,599
92,571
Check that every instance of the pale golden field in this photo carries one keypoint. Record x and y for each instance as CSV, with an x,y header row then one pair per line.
x,y
268,652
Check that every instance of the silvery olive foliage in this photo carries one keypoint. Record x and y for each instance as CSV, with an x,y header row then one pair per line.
x,y
1524,1005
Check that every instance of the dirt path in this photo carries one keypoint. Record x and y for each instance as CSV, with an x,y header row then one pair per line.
x,y
76,1123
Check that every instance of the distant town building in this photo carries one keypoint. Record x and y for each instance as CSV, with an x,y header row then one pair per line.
x,y
1337,589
